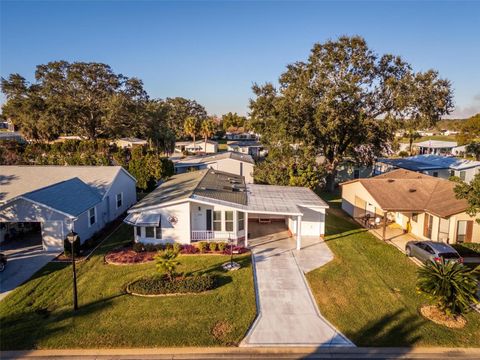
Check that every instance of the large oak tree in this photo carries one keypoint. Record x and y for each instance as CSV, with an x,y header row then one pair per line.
x,y
344,101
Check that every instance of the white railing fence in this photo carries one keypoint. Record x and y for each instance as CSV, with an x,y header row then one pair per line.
x,y
208,235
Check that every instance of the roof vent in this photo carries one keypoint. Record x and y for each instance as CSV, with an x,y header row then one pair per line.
x,y
412,190
390,180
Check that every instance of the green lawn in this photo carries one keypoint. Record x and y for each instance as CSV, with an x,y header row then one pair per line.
x,y
38,314
368,292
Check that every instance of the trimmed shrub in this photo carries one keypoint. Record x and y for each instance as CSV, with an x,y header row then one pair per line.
x,y
222,246
67,247
189,249
467,249
177,247
138,247
159,285
202,246
212,246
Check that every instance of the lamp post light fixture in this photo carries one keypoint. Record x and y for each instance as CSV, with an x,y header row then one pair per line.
x,y
72,237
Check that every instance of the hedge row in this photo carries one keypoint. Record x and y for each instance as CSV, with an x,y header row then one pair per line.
x,y
160,285
468,249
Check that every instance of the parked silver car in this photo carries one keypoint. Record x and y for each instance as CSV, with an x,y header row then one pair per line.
x,y
432,251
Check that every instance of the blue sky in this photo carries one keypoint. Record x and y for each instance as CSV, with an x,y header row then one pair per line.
x,y
214,51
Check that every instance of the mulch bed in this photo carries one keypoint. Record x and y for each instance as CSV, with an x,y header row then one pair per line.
x,y
432,313
126,256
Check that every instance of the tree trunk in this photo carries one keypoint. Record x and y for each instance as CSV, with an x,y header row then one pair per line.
x,y
330,180
410,141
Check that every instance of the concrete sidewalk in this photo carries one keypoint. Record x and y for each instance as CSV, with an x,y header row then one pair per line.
x,y
249,353
287,312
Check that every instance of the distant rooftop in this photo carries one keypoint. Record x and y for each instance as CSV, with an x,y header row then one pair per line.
x,y
245,144
436,144
200,159
134,140
430,162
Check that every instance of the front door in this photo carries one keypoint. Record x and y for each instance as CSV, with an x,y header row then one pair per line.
x,y
209,220
427,226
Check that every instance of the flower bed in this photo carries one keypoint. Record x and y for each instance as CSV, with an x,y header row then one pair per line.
x,y
141,253
127,256
161,285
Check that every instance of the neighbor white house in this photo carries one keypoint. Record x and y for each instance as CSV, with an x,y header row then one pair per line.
x,y
230,161
252,148
63,198
436,147
130,142
198,146
208,205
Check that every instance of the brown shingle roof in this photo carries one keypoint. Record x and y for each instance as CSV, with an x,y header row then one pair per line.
x,y
404,190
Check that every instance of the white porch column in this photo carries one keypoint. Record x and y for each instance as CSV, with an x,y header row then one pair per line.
x,y
245,227
299,232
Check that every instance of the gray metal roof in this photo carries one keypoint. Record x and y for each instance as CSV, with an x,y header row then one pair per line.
x,y
430,162
222,186
436,144
71,197
18,180
205,159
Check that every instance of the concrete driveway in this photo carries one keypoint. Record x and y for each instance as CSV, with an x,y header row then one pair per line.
x,y
24,258
288,314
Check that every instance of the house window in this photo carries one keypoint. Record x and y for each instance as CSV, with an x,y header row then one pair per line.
x,y
119,200
435,174
228,220
139,231
452,172
462,175
241,218
150,232
217,221
92,219
356,173
158,232
415,217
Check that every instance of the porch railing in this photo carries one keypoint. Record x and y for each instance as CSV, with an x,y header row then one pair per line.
x,y
208,235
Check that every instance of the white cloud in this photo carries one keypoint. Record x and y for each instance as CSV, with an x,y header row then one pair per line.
x,y
462,112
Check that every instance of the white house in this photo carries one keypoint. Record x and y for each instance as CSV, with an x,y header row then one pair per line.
x,y
253,148
199,146
436,147
231,162
130,142
213,205
63,198
433,165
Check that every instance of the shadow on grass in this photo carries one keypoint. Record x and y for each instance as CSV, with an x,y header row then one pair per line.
x,y
26,330
394,329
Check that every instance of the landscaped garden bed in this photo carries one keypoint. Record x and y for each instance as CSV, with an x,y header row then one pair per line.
x,y
138,253
162,285
468,249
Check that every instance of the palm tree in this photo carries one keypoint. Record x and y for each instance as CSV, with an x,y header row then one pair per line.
x,y
451,285
191,127
166,263
207,129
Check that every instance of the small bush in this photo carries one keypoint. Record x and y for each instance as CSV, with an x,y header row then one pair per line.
x,y
168,247
138,247
202,246
236,250
212,246
154,247
67,247
222,246
189,249
177,247
403,153
162,285
468,249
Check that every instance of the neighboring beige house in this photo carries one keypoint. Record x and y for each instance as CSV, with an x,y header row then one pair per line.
x,y
130,142
199,146
231,162
423,205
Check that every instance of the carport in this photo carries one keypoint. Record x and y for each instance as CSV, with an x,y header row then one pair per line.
x,y
300,209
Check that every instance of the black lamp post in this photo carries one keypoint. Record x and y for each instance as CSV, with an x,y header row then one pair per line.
x,y
72,237
230,241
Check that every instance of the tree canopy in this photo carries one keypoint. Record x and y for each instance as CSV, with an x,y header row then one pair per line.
x,y
344,102
178,110
86,99
233,121
471,193
470,130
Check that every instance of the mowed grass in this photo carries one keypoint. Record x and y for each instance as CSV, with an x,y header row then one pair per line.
x,y
38,315
368,292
